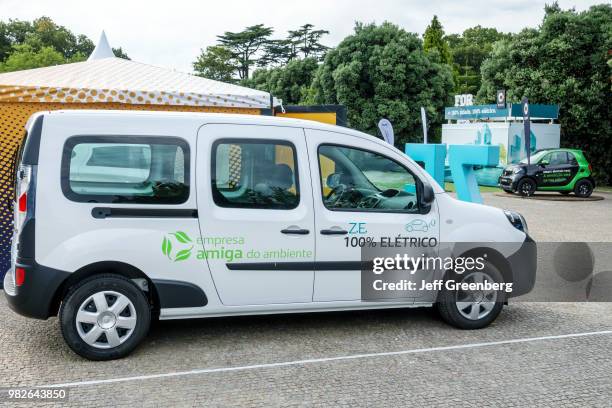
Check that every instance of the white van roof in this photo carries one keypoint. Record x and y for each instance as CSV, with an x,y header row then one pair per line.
x,y
214,117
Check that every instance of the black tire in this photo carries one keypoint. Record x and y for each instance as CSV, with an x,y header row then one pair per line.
x,y
449,310
526,187
94,285
583,188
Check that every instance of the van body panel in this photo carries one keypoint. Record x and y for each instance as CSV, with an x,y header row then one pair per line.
x,y
182,247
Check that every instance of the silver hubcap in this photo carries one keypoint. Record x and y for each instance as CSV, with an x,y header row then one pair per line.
x,y
106,319
584,189
476,304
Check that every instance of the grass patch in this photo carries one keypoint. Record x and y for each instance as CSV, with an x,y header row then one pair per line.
x,y
603,189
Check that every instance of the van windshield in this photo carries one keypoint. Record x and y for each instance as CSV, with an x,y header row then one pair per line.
x,y
356,179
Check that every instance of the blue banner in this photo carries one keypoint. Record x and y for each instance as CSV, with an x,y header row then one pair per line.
x,y
474,112
492,111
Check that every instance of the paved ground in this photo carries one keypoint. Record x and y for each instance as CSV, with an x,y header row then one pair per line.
x,y
570,221
542,371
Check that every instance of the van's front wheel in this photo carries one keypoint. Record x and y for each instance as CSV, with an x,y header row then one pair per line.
x,y
104,317
472,309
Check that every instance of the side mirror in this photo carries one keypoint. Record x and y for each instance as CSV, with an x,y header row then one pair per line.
x,y
427,197
544,163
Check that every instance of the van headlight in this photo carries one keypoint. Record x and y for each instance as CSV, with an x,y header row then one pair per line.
x,y
517,220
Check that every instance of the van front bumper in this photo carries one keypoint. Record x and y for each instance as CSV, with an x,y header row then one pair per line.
x,y
35,297
523,265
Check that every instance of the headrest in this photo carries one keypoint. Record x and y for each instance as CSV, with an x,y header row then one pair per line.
x,y
282,176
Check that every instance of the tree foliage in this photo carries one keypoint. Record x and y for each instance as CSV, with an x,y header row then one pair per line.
x,y
40,43
216,63
290,83
468,51
562,62
307,41
244,46
433,39
253,47
25,57
383,71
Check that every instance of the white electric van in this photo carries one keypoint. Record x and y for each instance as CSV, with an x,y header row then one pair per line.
x,y
122,217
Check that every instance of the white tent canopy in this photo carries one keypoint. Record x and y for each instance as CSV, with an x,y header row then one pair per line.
x,y
102,50
105,78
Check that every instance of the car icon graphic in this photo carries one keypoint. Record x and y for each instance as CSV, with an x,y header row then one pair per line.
x,y
418,225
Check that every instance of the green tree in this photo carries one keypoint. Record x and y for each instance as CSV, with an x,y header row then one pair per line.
x,y
290,83
433,39
37,39
468,51
383,71
562,62
216,62
245,45
119,53
307,41
26,57
277,53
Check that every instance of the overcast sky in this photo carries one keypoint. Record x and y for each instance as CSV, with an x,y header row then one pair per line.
x,y
171,33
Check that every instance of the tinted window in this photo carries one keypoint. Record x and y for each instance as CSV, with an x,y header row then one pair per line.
x,y
557,158
572,159
354,179
124,156
126,170
255,174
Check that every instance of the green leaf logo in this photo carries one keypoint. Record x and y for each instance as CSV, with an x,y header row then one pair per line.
x,y
166,247
183,255
180,237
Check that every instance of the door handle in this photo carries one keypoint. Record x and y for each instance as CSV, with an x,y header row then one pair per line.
x,y
298,231
333,232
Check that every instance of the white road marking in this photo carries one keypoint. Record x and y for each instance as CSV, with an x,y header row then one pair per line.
x,y
322,360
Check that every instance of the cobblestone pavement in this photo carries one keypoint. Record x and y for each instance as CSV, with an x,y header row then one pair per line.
x,y
571,371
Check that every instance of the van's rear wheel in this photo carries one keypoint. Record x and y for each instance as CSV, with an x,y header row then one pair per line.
x,y
105,317
473,309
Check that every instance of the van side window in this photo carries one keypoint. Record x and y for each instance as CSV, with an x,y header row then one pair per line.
x,y
255,174
109,169
359,180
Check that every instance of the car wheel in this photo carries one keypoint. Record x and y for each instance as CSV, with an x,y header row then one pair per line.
x,y
526,187
584,188
104,317
469,310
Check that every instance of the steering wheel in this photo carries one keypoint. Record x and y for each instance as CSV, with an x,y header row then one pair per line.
x,y
338,190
